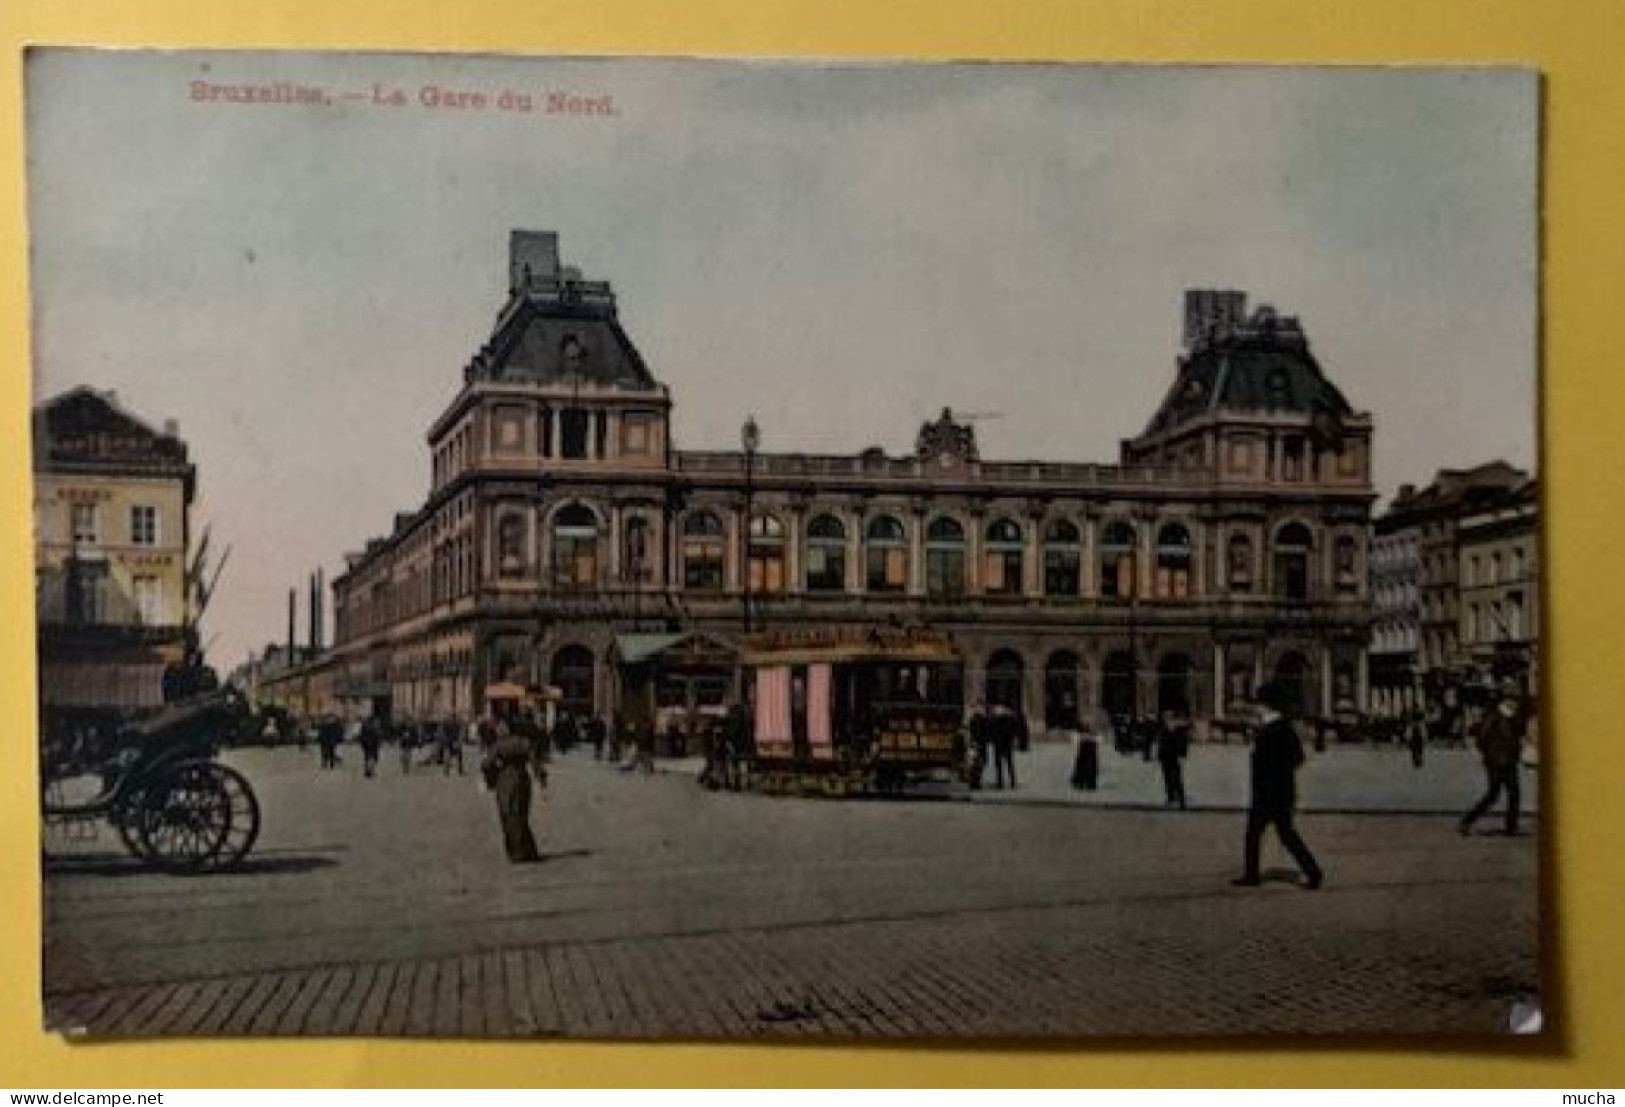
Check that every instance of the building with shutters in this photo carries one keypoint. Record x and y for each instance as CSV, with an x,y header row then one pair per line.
x,y
1226,545
112,507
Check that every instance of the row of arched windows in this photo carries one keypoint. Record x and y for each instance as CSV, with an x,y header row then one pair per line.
x,y
883,561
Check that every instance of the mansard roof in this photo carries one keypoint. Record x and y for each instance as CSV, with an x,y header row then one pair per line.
x,y
84,428
557,328
1262,365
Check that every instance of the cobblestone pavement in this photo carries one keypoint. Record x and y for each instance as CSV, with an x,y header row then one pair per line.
x,y
384,907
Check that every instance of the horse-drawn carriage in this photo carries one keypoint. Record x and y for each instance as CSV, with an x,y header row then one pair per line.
x,y
157,784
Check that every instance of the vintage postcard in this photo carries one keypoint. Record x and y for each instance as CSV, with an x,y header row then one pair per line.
x,y
679,549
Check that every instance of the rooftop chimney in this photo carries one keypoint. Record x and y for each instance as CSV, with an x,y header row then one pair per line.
x,y
172,428
1208,311
532,256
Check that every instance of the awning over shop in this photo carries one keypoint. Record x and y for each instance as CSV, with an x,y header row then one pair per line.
x,y
693,648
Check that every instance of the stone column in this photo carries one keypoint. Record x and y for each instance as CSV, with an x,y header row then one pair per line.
x,y
1362,676
794,520
916,551
1219,678
1032,557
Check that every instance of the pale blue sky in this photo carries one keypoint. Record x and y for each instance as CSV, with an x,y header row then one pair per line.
x,y
842,250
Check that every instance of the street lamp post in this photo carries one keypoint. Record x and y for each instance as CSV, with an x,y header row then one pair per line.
x,y
750,437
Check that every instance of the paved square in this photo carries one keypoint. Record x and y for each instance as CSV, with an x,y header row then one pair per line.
x,y
385,907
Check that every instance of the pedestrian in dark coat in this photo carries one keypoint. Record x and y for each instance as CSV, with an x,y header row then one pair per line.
x,y
328,736
509,762
1005,733
1277,753
1500,744
1173,742
981,740
372,739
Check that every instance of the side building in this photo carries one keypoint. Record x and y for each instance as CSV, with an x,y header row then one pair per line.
x,y
112,511
564,529
1453,578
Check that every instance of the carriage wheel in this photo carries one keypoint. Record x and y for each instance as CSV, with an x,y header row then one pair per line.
x,y
200,815
244,829
126,819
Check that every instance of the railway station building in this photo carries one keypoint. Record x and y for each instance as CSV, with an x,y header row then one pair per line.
x,y
1225,546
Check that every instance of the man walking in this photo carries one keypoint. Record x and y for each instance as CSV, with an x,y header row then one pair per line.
x,y
1277,753
1005,732
1173,742
1500,741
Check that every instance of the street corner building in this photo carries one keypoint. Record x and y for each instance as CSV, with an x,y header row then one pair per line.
x,y
566,533
112,509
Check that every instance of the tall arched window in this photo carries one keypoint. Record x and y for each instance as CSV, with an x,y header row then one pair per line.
x,y
945,559
1117,562
885,555
636,560
1291,562
1239,563
1061,673
1005,678
575,548
766,555
826,555
1002,559
702,553
1063,559
1173,562
572,674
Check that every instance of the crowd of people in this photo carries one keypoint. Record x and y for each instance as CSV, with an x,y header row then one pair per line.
x,y
515,746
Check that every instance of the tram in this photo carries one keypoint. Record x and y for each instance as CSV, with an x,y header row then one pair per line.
x,y
853,711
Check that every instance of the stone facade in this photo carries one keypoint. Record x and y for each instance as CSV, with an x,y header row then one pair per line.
x,y
1228,545
1455,587
112,503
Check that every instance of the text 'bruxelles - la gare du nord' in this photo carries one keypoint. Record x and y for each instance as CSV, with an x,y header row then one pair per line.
x,y
289,93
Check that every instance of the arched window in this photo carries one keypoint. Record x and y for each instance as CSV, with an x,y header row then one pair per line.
x,y
572,675
1239,563
1174,683
1346,557
1002,559
766,555
944,559
1004,680
1119,685
1063,559
826,555
575,548
1061,689
1117,562
1173,562
1291,562
636,562
1295,675
885,554
702,553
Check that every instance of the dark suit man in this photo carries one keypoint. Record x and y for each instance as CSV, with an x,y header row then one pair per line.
x,y
1277,753
1500,742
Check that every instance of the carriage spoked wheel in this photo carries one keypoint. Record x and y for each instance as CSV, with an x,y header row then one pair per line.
x,y
126,820
199,816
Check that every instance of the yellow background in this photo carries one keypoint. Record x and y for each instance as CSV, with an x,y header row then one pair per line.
x,y
1579,45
